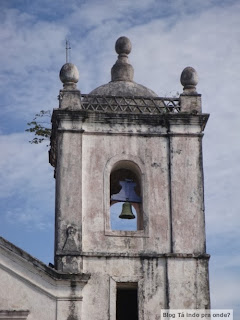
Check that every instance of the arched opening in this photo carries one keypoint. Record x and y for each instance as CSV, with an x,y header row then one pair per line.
x,y
126,197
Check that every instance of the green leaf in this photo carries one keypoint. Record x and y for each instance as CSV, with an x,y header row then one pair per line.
x,y
41,129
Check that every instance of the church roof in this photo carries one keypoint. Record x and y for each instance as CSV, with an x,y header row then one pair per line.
x,y
22,257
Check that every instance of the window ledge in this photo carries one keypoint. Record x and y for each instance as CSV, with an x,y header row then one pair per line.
x,y
123,233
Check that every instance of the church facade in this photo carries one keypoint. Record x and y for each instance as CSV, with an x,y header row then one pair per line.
x,y
129,219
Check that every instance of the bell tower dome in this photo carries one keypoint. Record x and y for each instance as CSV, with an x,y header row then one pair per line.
x,y
122,74
129,194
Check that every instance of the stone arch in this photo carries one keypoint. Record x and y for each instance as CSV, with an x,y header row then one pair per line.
x,y
124,167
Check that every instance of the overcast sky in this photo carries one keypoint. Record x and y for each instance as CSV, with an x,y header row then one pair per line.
x,y
166,37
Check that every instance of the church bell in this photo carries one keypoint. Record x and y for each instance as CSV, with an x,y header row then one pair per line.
x,y
127,211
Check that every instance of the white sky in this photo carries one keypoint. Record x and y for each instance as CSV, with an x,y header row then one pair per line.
x,y
166,36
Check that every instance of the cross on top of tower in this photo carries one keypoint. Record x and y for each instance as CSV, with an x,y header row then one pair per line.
x,y
68,48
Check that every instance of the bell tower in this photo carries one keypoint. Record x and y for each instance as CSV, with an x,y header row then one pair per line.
x,y
129,194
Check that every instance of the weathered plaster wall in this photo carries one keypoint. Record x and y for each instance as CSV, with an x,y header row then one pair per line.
x,y
107,272
188,228
173,282
188,283
69,199
17,294
167,258
168,154
152,154
27,284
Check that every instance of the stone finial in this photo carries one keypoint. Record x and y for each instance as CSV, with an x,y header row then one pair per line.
x,y
122,70
190,100
69,76
189,80
123,45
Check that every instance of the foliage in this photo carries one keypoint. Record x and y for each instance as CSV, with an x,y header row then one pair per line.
x,y
40,126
